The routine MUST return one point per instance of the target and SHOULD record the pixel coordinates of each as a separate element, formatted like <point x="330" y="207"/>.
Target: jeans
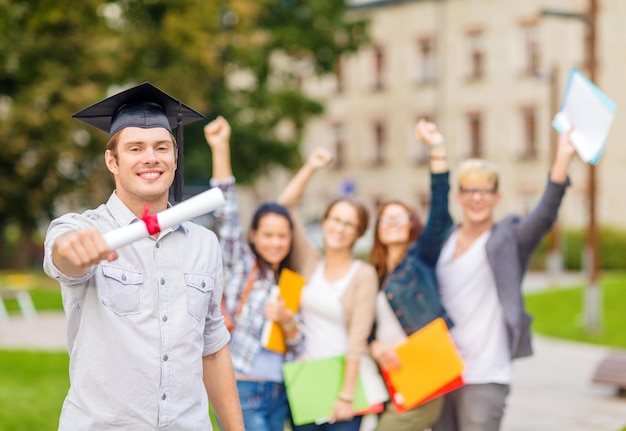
<point x="264" y="405"/>
<point x="473" y="407"/>
<point x="351" y="425"/>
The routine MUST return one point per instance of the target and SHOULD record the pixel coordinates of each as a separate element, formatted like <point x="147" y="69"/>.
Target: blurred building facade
<point x="491" y="74"/>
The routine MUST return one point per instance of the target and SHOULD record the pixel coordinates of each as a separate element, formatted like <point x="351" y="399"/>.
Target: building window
<point x="476" y="42"/>
<point x="427" y="65"/>
<point x="475" y="130"/>
<point x="339" y="146"/>
<point x="530" y="35"/>
<point x="379" y="144"/>
<point x="339" y="78"/>
<point x="529" y="123"/>
<point x="379" y="68"/>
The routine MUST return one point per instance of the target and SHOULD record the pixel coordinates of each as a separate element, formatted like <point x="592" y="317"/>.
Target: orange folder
<point x="430" y="366"/>
<point x="290" y="286"/>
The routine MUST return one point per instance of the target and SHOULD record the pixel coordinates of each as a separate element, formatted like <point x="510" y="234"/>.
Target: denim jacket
<point x="411" y="288"/>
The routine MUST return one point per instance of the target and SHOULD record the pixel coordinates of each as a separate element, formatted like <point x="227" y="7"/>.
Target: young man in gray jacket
<point x="480" y="272"/>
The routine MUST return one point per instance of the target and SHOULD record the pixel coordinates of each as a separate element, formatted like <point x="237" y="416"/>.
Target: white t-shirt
<point x="323" y="320"/>
<point x="388" y="329"/>
<point x="468" y="291"/>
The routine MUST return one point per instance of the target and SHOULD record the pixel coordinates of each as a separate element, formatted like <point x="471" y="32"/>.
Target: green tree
<point x="52" y="55"/>
<point x="193" y="45"/>
<point x="57" y="57"/>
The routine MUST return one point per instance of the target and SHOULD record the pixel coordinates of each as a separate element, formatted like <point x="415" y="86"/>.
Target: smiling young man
<point x="146" y="337"/>
<point x="480" y="272"/>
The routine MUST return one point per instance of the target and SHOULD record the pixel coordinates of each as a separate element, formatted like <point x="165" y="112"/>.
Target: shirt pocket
<point x="199" y="291"/>
<point x="121" y="292"/>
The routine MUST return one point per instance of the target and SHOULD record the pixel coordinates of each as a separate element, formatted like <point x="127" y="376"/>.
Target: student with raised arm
<point x="252" y="268"/>
<point x="480" y="272"/>
<point x="337" y="303"/>
<point x="405" y="255"/>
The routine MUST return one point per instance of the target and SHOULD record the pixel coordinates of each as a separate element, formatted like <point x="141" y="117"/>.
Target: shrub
<point x="612" y="249"/>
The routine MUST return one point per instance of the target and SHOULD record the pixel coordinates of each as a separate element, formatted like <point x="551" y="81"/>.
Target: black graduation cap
<point x="143" y="106"/>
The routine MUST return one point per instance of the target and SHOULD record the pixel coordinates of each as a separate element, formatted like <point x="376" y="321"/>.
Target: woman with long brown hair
<point x="252" y="268"/>
<point x="405" y="254"/>
<point x="337" y="303"/>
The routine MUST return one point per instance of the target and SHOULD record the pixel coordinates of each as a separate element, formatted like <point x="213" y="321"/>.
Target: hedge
<point x="612" y="249"/>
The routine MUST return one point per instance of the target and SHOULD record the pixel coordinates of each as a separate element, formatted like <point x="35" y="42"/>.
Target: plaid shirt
<point x="238" y="263"/>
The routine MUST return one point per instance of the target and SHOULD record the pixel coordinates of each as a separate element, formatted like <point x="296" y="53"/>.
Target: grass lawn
<point x="45" y="292"/>
<point x="34" y="384"/>
<point x="33" y="387"/>
<point x="560" y="312"/>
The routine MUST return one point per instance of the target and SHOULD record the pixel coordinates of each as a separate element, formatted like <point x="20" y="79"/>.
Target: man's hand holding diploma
<point x="76" y="251"/>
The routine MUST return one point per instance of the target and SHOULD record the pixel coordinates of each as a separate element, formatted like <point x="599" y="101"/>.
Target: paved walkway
<point x="552" y="390"/>
<point x="44" y="332"/>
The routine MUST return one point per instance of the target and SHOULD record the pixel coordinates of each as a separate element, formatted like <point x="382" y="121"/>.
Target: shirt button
<point x="203" y="283"/>
<point x="165" y="358"/>
<point x="162" y="281"/>
<point x="164" y="318"/>
<point x="163" y="396"/>
<point x="157" y="245"/>
<point x="124" y="277"/>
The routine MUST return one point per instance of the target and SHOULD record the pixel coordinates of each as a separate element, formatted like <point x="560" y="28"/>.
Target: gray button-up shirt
<point x="138" y="327"/>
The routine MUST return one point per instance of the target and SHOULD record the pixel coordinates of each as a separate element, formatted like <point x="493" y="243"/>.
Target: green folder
<point x="314" y="386"/>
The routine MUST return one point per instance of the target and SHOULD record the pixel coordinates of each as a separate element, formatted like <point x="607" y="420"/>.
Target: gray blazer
<point x="509" y="247"/>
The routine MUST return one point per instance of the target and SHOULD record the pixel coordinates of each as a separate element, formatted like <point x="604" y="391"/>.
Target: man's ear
<point x="111" y="163"/>
<point x="457" y="197"/>
<point x="498" y="198"/>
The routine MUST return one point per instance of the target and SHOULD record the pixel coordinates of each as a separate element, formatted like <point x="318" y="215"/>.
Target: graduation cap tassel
<point x="180" y="172"/>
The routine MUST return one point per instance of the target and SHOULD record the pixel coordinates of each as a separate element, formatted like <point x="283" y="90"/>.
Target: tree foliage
<point x="57" y="57"/>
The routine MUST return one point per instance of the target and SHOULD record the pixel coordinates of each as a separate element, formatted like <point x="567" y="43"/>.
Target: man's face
<point x="478" y="200"/>
<point x="145" y="164"/>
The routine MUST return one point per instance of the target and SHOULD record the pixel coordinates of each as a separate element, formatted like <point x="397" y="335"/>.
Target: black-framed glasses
<point x="481" y="192"/>
<point x="343" y="223"/>
<point x="397" y="219"/>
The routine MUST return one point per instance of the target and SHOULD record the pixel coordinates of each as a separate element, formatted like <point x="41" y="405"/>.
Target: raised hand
<point x="428" y="133"/>
<point x="564" y="146"/>
<point x="217" y="133"/>
<point x="294" y="189"/>
<point x="564" y="154"/>
<point x="320" y="158"/>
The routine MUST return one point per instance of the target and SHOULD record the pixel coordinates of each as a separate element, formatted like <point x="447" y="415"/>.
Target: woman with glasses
<point x="405" y="254"/>
<point x="479" y="274"/>
<point x="337" y="303"/>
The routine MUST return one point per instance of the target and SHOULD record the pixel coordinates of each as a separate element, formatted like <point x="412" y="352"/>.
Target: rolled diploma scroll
<point x="195" y="206"/>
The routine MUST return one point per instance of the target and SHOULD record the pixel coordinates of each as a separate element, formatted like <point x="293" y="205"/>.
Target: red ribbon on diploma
<point x="152" y="224"/>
